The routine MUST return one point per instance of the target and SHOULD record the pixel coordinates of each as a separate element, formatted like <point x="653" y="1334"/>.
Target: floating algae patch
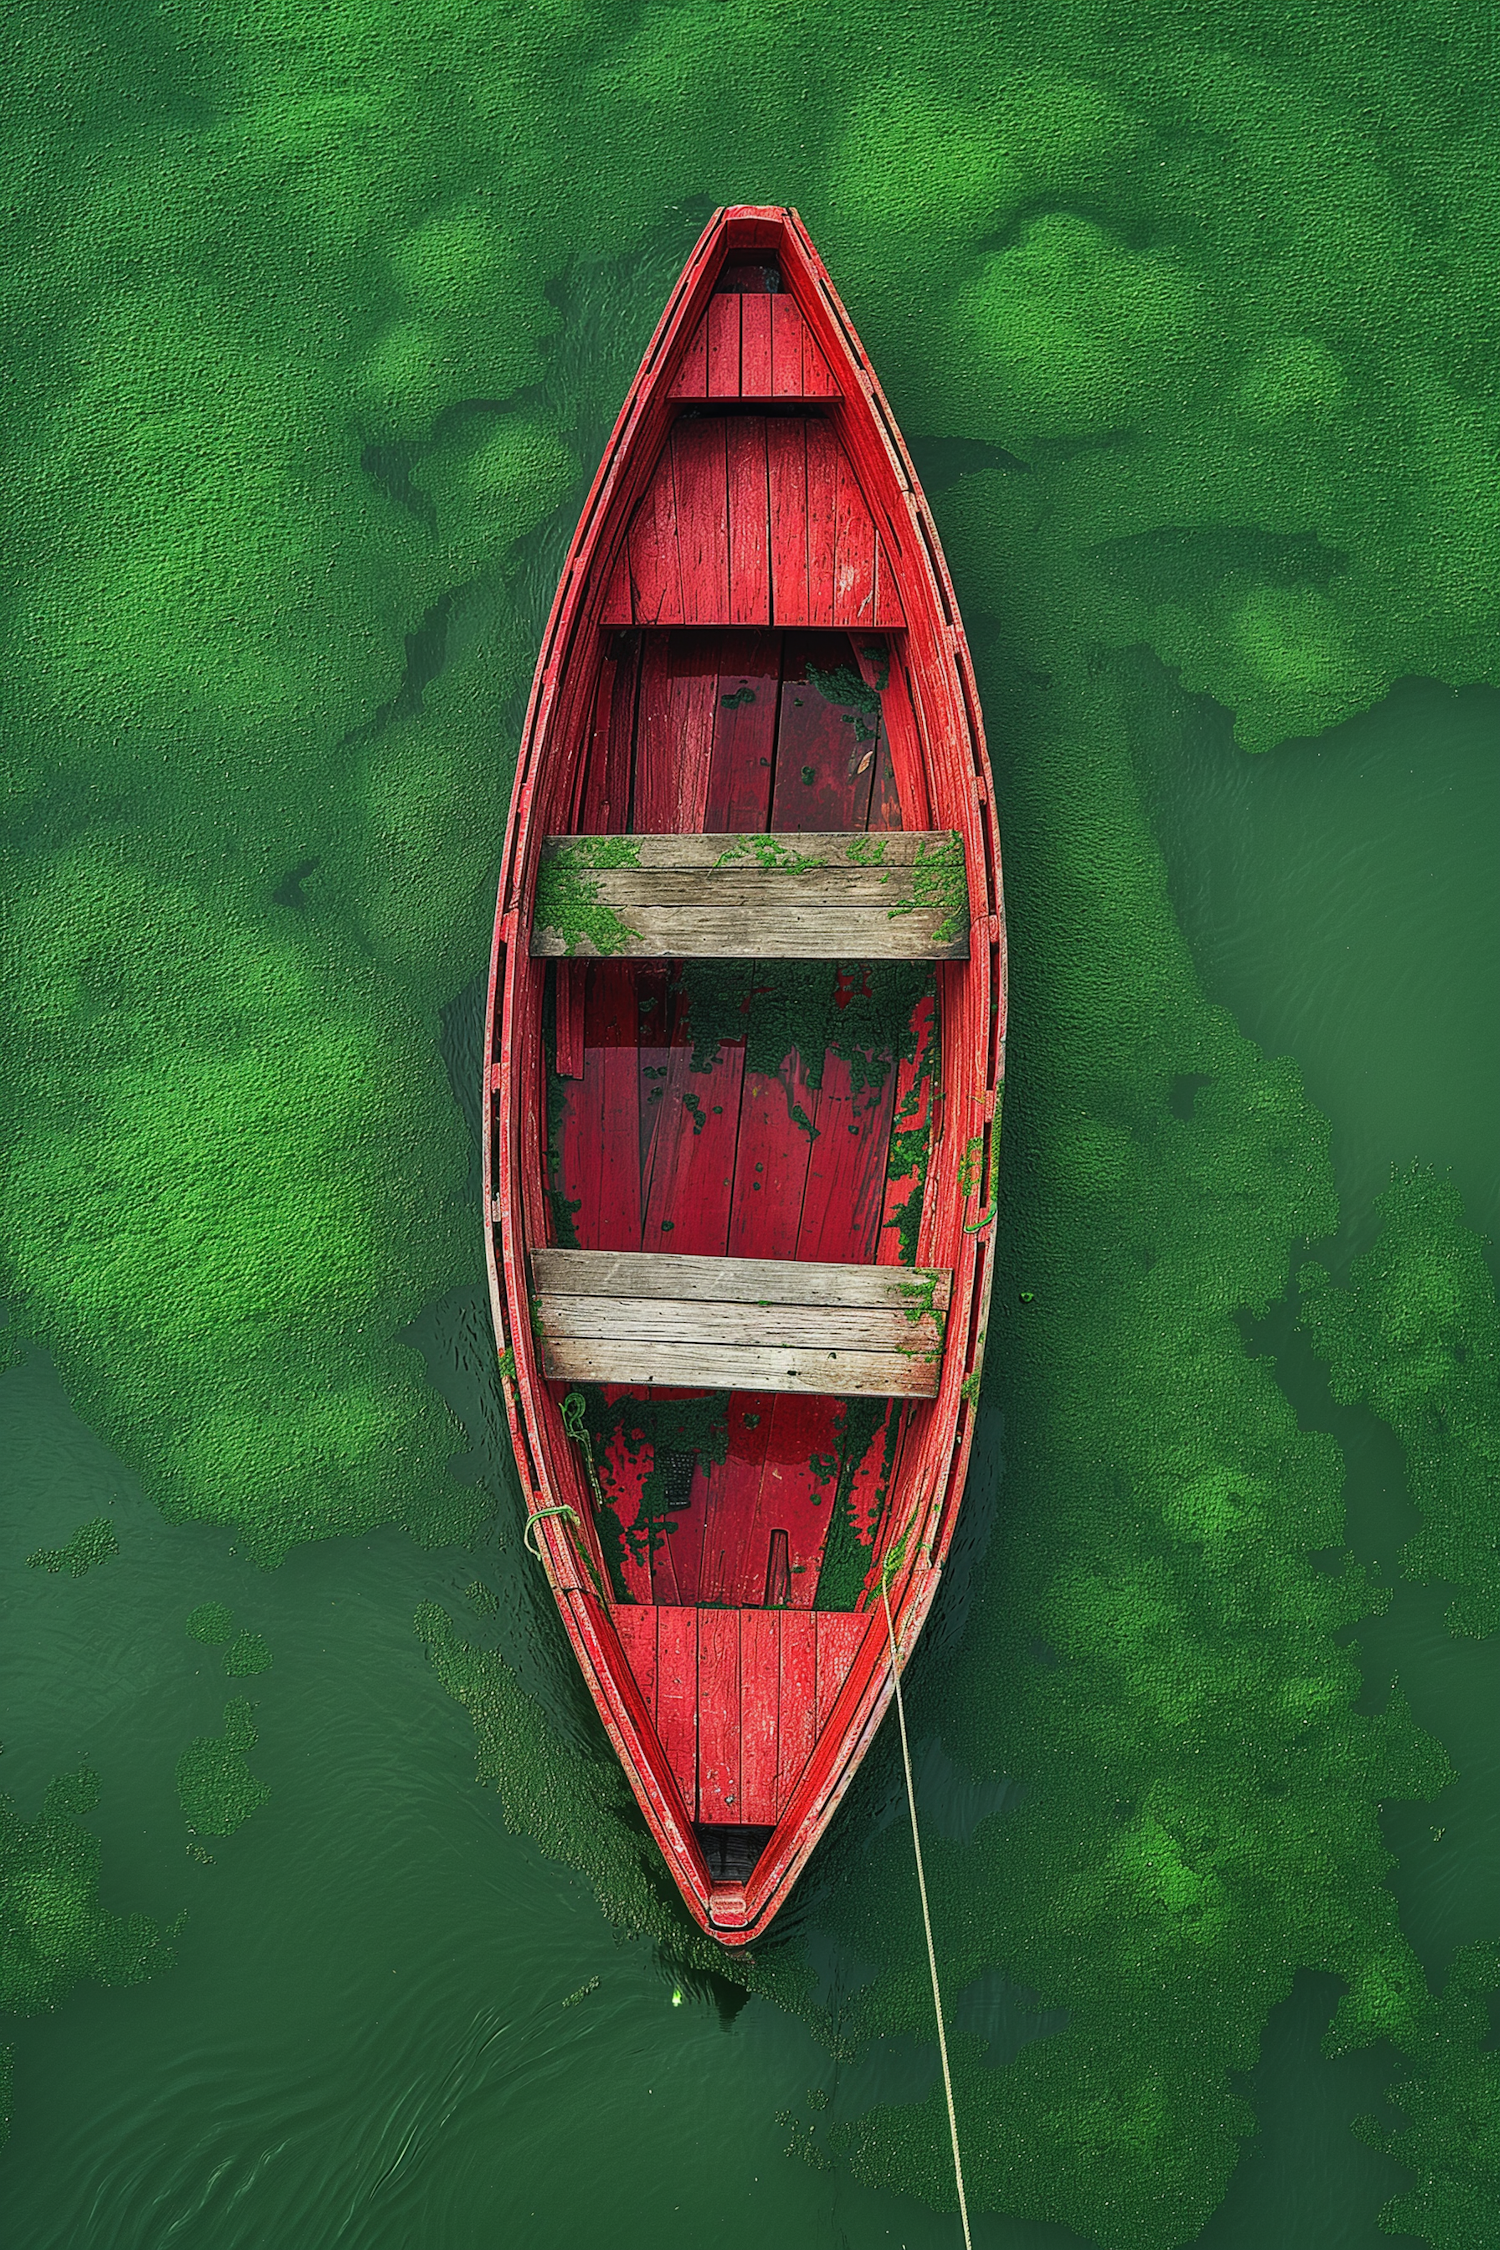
<point x="1415" y="1334"/>
<point x="579" y="1810"/>
<point x="211" y="1622"/>
<point x="53" y="1930"/>
<point x="219" y="1228"/>
<point x="1450" y="2099"/>
<point x="215" y="1787"/>
<point x="247" y="1654"/>
<point x="92" y="1543"/>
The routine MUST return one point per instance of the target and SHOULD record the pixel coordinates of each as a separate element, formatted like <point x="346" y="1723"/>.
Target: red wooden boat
<point x="743" y="1069"/>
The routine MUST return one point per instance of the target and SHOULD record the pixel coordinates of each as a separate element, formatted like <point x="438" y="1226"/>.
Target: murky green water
<point x="1191" y="322"/>
<point x="370" y="2035"/>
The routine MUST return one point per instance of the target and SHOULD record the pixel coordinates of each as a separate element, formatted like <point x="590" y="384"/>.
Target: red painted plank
<point x="817" y="376"/>
<point x="797" y="1486"/>
<point x="686" y="1199"/>
<point x="798" y="1633"/>
<point x="739" y="781"/>
<point x="823" y="768"/>
<point x="844" y="1200"/>
<point x="622" y="1469"/>
<point x="839" y="1635"/>
<point x="617" y="609"/>
<point x="691" y="380"/>
<point x="637" y="1631"/>
<point x="888" y="610"/>
<point x="675" y="731"/>
<point x="749" y="517"/>
<point x="719" y="1717"/>
<point x="568" y="1017"/>
<point x="911" y="1117"/>
<point x="874" y="659"/>
<point x="854" y="556"/>
<point x="822" y="508"/>
<point x="700" y="469"/>
<point x="786" y="347"/>
<point x="760" y="1703"/>
<point x="655" y="1014"/>
<point x="870" y="1480"/>
<point x="655" y="572"/>
<point x="771" y="1161"/>
<point x="786" y="458"/>
<point x="597" y="1131"/>
<point x="724" y="346"/>
<point x="728" y="1500"/>
<point x="677" y="1697"/>
<point x="755" y="346"/>
<point x="908" y="756"/>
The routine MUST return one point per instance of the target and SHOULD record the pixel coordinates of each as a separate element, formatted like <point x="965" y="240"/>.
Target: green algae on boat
<point x="567" y="898"/>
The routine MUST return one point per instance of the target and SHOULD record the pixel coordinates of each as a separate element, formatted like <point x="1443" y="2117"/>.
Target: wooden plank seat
<point x="900" y="895"/>
<point x="739" y="1324"/>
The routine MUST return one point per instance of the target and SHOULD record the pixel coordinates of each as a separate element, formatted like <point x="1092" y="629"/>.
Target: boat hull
<point x="756" y="520"/>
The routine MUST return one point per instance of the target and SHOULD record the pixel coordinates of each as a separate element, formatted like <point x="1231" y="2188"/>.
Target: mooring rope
<point x="537" y="1515"/>
<point x="916" y="1845"/>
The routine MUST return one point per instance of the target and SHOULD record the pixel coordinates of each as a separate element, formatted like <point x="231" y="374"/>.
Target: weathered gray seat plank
<point x="746" y="1324"/>
<point x="896" y="895"/>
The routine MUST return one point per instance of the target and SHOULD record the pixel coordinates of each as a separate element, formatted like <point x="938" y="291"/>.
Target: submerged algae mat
<point x="1191" y="317"/>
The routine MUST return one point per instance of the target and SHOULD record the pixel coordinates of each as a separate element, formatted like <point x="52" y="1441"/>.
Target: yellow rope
<point x="916" y="1845"/>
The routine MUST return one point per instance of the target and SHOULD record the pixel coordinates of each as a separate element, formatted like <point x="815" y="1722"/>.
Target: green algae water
<point x="325" y="1913"/>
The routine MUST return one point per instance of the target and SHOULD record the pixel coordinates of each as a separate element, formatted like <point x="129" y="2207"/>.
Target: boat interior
<point x="732" y="1104"/>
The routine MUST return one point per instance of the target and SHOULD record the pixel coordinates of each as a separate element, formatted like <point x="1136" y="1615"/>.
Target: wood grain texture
<point x="798" y="1701"/>
<point x="677" y="1697"/>
<point x="765" y="933"/>
<point x="755" y="346"/>
<point x="724" y="347"/>
<point x="827" y="847"/>
<point x="745" y="1281"/>
<point x="695" y="1320"/>
<point x="786" y="467"/>
<point x="739" y="1367"/>
<point x="719" y="1717"/>
<point x="787" y="331"/>
<point x="691" y="379"/>
<point x="760" y="1704"/>
<point x="701" y="487"/>
<point x="749" y="517"/>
